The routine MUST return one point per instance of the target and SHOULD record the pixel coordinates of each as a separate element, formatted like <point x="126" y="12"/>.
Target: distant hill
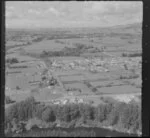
<point x="135" y="28"/>
<point x="129" y="28"/>
<point x="133" y="25"/>
<point x="116" y="26"/>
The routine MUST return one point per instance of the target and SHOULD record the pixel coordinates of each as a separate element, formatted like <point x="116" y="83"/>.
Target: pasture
<point x="47" y="94"/>
<point x="79" y="86"/>
<point x="47" y="45"/>
<point x="24" y="77"/>
<point x="101" y="68"/>
<point x="124" y="89"/>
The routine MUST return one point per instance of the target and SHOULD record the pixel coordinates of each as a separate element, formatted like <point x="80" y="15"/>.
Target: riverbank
<point x="91" y="131"/>
<point x="69" y="128"/>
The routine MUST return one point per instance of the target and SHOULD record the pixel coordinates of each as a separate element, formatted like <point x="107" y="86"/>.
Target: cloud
<point x="34" y="11"/>
<point x="115" y="7"/>
<point x="53" y="10"/>
<point x="10" y="7"/>
<point x="73" y="13"/>
<point x="30" y="2"/>
<point x="12" y="15"/>
<point x="113" y="12"/>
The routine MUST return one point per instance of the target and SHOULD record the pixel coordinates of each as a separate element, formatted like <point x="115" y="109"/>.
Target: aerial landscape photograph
<point x="73" y="68"/>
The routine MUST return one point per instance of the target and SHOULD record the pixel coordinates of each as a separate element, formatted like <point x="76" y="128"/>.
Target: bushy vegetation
<point x="38" y="39"/>
<point x="87" y="83"/>
<point x="74" y="89"/>
<point x="121" y="115"/>
<point x="64" y="52"/>
<point x="134" y="76"/>
<point x="8" y="100"/>
<point x="12" y="60"/>
<point x="131" y="54"/>
<point x="53" y="81"/>
<point x="15" y="67"/>
<point x="69" y="51"/>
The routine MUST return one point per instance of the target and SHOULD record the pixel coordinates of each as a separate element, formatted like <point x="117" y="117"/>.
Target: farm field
<point x="99" y="68"/>
<point x="119" y="89"/>
<point x="46" y="94"/>
<point x="47" y="45"/>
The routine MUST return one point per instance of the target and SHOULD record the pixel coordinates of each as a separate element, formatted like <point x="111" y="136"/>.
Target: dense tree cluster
<point x="64" y="52"/>
<point x="53" y="81"/>
<point x="78" y="50"/>
<point x="132" y="55"/>
<point x="70" y="51"/>
<point x="133" y="76"/>
<point x="15" y="67"/>
<point x="74" y="89"/>
<point x="119" y="114"/>
<point x="87" y="83"/>
<point x="8" y="100"/>
<point x="12" y="60"/>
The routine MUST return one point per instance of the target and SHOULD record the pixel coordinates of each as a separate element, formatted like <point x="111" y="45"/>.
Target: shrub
<point x="22" y="110"/>
<point x="12" y="60"/>
<point x="8" y="100"/>
<point x="48" y="115"/>
<point x="131" y="54"/>
<point x="17" y="88"/>
<point x="115" y="113"/>
<point x="130" y="116"/>
<point x="103" y="111"/>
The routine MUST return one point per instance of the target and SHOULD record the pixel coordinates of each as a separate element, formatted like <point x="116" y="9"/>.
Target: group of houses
<point x="74" y="100"/>
<point x="95" y="64"/>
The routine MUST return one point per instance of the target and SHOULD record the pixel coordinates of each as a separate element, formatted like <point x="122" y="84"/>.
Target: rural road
<point x="50" y="73"/>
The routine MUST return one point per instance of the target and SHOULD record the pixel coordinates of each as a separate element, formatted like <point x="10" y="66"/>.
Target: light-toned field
<point x="26" y="75"/>
<point x="13" y="43"/>
<point x="72" y="78"/>
<point x="47" y="94"/>
<point x="81" y="86"/>
<point x="105" y="83"/>
<point x="125" y="89"/>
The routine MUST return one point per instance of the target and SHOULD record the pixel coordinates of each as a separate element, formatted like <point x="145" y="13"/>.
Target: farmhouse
<point x="65" y="101"/>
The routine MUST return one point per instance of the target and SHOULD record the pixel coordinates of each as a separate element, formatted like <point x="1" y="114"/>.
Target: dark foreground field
<point x="71" y="132"/>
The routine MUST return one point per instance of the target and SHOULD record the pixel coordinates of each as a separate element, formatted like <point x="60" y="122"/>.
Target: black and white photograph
<point x="73" y="69"/>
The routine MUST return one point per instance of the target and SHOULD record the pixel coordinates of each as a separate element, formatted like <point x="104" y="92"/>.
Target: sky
<point x="51" y="14"/>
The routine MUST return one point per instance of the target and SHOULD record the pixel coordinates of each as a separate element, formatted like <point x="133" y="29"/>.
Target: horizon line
<point x="73" y="27"/>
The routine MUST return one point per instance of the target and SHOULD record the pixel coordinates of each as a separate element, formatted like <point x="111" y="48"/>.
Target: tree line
<point x="138" y="54"/>
<point x="12" y="60"/>
<point x="120" y="115"/>
<point x="70" y="51"/>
